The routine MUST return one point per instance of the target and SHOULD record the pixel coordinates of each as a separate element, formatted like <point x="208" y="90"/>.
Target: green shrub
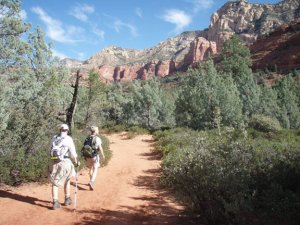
<point x="233" y="180"/>
<point x="115" y="129"/>
<point x="265" y="123"/>
<point x="18" y="166"/>
<point x="136" y="130"/>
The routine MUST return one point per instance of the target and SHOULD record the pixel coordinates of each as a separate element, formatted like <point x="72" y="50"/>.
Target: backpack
<point x="88" y="150"/>
<point x="57" y="147"/>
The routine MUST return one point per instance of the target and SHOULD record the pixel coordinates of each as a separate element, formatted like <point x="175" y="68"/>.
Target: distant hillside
<point x="249" y="21"/>
<point x="280" y="50"/>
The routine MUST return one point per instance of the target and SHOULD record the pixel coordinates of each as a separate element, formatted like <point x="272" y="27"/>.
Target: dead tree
<point x="71" y="109"/>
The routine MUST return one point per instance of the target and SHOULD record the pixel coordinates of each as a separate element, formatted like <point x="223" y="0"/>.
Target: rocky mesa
<point x="249" y="21"/>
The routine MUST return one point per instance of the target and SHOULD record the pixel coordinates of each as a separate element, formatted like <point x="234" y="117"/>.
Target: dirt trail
<point x="126" y="193"/>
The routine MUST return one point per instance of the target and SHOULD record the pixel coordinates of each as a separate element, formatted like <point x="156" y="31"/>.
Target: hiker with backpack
<point x="62" y="154"/>
<point x="90" y="151"/>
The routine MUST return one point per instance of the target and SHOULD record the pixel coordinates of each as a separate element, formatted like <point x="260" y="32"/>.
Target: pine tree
<point x="12" y="48"/>
<point x="95" y="94"/>
<point x="147" y="100"/>
<point x="268" y="102"/>
<point x="236" y="60"/>
<point x="13" y="53"/>
<point x="204" y="93"/>
<point x="31" y="97"/>
<point x="288" y="102"/>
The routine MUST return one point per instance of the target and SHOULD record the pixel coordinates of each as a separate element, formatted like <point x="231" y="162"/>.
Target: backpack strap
<point x="94" y="142"/>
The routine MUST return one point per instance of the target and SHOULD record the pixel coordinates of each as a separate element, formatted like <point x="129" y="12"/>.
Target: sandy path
<point x="126" y="193"/>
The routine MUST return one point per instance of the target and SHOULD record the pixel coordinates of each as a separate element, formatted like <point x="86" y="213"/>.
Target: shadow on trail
<point x="152" y="155"/>
<point x="26" y="199"/>
<point x="155" y="209"/>
<point x="132" y="216"/>
<point x="80" y="186"/>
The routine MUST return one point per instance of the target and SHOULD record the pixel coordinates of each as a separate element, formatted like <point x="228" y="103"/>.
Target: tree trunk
<point x="71" y="109"/>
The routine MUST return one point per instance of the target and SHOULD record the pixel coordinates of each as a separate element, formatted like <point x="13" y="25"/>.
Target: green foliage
<point x="203" y="94"/>
<point x="121" y="105"/>
<point x="232" y="180"/>
<point x="287" y="92"/>
<point x="19" y="165"/>
<point x="31" y="97"/>
<point x="147" y="103"/>
<point x="268" y="102"/>
<point x="91" y="100"/>
<point x="265" y="123"/>
<point x="135" y="131"/>
<point x="141" y="103"/>
<point x="235" y="57"/>
<point x="13" y="49"/>
<point x="236" y="60"/>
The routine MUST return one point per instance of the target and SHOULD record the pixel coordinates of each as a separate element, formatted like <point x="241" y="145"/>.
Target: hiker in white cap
<point x="91" y="148"/>
<point x="62" y="154"/>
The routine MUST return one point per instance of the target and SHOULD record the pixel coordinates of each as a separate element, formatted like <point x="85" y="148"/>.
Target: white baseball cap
<point x="64" y="127"/>
<point x="95" y="129"/>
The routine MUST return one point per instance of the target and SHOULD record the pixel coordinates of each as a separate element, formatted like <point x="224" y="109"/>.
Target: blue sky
<point x="79" y="29"/>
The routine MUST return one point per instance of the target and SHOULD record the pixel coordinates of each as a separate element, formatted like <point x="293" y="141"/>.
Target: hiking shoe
<point x="91" y="184"/>
<point x="68" y="201"/>
<point x="56" y="205"/>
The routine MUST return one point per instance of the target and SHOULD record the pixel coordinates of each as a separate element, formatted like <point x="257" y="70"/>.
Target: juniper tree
<point x="30" y="78"/>
<point x="12" y="48"/>
<point x="119" y="107"/>
<point x="288" y="102"/>
<point x="236" y="60"/>
<point x="12" y="53"/>
<point x="268" y="102"/>
<point x="204" y="92"/>
<point x="148" y="103"/>
<point x="95" y="92"/>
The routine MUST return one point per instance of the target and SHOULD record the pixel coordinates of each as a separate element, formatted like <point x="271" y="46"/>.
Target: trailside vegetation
<point x="230" y="147"/>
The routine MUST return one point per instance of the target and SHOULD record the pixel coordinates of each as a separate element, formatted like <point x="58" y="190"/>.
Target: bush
<point x="20" y="166"/>
<point x="265" y="123"/>
<point x="229" y="180"/>
<point x="136" y="130"/>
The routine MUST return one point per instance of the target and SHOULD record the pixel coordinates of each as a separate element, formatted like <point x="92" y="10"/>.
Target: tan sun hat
<point x="95" y="129"/>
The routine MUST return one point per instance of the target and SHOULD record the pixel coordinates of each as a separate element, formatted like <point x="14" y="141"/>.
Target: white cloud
<point x="202" y="4"/>
<point x="177" y="17"/>
<point x="98" y="32"/>
<point x="23" y="15"/>
<point x="138" y="11"/>
<point x="81" y="11"/>
<point x="118" y="24"/>
<point x="56" y="30"/>
<point x="59" y="54"/>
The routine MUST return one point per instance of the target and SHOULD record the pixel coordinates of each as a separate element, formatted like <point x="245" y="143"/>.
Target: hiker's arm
<point x="76" y="162"/>
<point x="74" y="153"/>
<point x="102" y="152"/>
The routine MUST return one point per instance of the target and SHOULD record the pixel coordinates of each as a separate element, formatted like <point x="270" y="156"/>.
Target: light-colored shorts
<point x="61" y="172"/>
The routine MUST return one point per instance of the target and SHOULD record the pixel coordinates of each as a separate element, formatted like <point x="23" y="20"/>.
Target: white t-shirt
<point x="98" y="142"/>
<point x="67" y="146"/>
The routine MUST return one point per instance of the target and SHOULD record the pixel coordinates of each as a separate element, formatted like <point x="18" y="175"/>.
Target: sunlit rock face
<point x="249" y="21"/>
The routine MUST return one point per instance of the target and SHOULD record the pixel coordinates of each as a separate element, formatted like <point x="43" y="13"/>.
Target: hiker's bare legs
<point x="67" y="188"/>
<point x="91" y="172"/>
<point x="54" y="192"/>
<point x="94" y="174"/>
